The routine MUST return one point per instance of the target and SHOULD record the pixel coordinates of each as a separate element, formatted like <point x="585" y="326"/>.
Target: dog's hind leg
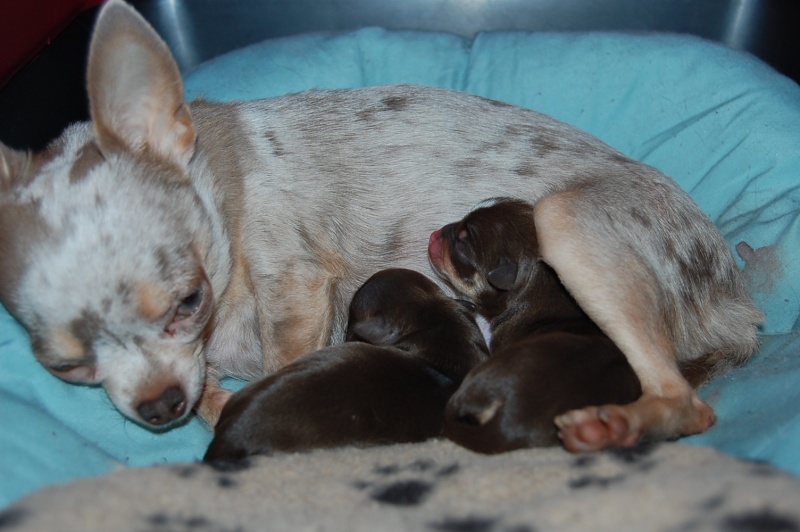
<point x="597" y="262"/>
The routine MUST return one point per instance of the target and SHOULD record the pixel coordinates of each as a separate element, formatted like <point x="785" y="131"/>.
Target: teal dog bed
<point x="722" y="123"/>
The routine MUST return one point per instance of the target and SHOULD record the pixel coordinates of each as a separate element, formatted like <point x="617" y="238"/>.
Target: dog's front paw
<point x="595" y="428"/>
<point x="212" y="402"/>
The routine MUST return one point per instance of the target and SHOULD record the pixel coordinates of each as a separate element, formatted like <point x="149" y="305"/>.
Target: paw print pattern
<point x="406" y="485"/>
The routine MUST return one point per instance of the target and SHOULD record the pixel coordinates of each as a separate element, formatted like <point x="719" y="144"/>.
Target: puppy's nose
<point x="168" y="407"/>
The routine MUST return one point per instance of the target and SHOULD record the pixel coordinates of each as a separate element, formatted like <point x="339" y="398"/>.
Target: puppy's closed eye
<point x="504" y="275"/>
<point x="469" y="305"/>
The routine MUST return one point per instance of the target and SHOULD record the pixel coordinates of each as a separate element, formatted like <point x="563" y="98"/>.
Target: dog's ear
<point x="135" y="88"/>
<point x="12" y="167"/>
<point x="376" y="331"/>
<point x="504" y="275"/>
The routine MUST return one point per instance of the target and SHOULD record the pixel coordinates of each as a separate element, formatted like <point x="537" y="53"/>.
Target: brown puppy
<point x="548" y="357"/>
<point x="410" y="347"/>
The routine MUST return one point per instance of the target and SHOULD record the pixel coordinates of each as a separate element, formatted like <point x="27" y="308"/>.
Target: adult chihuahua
<point x="548" y="357"/>
<point x="164" y="244"/>
<point x="409" y="347"/>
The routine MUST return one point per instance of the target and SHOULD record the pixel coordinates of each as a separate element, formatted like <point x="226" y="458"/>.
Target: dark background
<point x="47" y="93"/>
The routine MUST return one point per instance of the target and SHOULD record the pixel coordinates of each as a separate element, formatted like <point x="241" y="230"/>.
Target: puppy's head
<point x="404" y="309"/>
<point x="103" y="239"/>
<point x="488" y="254"/>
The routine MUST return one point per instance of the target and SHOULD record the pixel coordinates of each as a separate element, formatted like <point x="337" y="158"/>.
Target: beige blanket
<point x="433" y="486"/>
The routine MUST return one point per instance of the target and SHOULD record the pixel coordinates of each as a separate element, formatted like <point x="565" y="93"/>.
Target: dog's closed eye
<point x="191" y="310"/>
<point x="189" y="305"/>
<point x="74" y="372"/>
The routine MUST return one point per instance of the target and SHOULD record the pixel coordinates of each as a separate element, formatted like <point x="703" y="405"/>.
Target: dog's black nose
<point x="168" y="407"/>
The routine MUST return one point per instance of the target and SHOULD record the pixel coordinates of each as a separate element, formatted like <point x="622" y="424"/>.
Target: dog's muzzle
<point x="166" y="408"/>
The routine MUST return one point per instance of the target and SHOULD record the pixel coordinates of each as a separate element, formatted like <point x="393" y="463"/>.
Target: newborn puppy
<point x="409" y="347"/>
<point x="547" y="357"/>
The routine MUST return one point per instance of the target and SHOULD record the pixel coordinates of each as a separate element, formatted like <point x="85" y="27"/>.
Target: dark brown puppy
<point x="547" y="358"/>
<point x="409" y="349"/>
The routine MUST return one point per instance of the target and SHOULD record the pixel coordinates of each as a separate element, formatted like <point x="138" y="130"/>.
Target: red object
<point x="27" y="26"/>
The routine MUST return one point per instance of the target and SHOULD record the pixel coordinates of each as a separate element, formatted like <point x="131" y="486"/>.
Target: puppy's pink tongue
<point x="435" y="247"/>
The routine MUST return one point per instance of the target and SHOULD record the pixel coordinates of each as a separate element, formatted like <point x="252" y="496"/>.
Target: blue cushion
<point x="757" y="406"/>
<point x="719" y="121"/>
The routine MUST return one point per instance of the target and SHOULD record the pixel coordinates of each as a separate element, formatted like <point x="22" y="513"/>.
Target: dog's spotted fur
<point x="258" y="196"/>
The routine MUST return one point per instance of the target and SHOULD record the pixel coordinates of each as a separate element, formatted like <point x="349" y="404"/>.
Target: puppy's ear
<point x="135" y="88"/>
<point x="479" y="414"/>
<point x="12" y="167"/>
<point x="504" y="275"/>
<point x="376" y="331"/>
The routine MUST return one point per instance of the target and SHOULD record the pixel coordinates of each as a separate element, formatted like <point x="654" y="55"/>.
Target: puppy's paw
<point x="595" y="428"/>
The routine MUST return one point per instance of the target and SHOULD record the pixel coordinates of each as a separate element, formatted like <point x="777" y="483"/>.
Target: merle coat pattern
<point x="166" y="243"/>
